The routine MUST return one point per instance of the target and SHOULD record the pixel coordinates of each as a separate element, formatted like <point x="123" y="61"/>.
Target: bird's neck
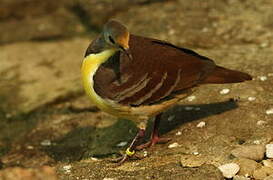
<point x="89" y="67"/>
<point x="99" y="58"/>
<point x="92" y="62"/>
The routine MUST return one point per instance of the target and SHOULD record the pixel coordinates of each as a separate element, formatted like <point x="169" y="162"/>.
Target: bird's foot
<point x="120" y="160"/>
<point x="126" y="156"/>
<point x="152" y="142"/>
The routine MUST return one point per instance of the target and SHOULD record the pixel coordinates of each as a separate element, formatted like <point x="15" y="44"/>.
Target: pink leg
<point x="155" y="139"/>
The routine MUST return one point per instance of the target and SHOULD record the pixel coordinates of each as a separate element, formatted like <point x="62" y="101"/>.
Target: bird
<point x="138" y="78"/>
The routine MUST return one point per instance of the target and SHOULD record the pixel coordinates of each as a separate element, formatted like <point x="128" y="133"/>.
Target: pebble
<point x="197" y="109"/>
<point x="8" y="115"/>
<point x="240" y="178"/>
<point x="173" y="145"/>
<point x="171" y="32"/>
<point x="257" y="142"/>
<point x="247" y="166"/>
<point x="178" y="133"/>
<point x="262" y="173"/>
<point x="30" y="147"/>
<point x="195" y="153"/>
<point x="251" y="98"/>
<point x="264" y="45"/>
<point x="270" y="74"/>
<point x="145" y="153"/>
<point x="191" y="98"/>
<point x="263" y="78"/>
<point x="269" y="150"/>
<point x="268" y="163"/>
<point x="188" y="108"/>
<point x="46" y="142"/>
<point x="170" y="118"/>
<point x="269" y="111"/>
<point x="94" y="159"/>
<point x="109" y="179"/>
<point x="261" y="123"/>
<point x="225" y="91"/>
<point x="201" y="124"/>
<point x="205" y="29"/>
<point x="229" y="170"/>
<point x="122" y="144"/>
<point x="254" y="152"/>
<point x="67" y="168"/>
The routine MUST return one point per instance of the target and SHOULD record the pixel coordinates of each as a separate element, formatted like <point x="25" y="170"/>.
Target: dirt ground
<point x="50" y="130"/>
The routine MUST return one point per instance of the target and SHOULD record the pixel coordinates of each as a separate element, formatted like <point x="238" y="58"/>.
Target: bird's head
<point x="117" y="36"/>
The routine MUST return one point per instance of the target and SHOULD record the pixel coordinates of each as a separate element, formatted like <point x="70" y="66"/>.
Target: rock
<point x="102" y="9"/>
<point x="46" y="142"/>
<point x="262" y="173"/>
<point x="43" y="24"/>
<point x="170" y="118"/>
<point x="251" y="98"/>
<point x="191" y="98"/>
<point x="269" y="150"/>
<point x="109" y="178"/>
<point x="17" y="173"/>
<point x="67" y="168"/>
<point x="247" y="166"/>
<point x="229" y="170"/>
<point x="269" y="111"/>
<point x="224" y="91"/>
<point x="122" y="144"/>
<point x="261" y="123"/>
<point x="254" y="152"/>
<point x="20" y="9"/>
<point x="173" y="145"/>
<point x="212" y="25"/>
<point x="228" y="123"/>
<point x="201" y="124"/>
<point x="240" y="178"/>
<point x="257" y="142"/>
<point x="39" y="73"/>
<point x="188" y="108"/>
<point x="268" y="163"/>
<point x="263" y="78"/>
<point x="178" y="133"/>
<point x="192" y="160"/>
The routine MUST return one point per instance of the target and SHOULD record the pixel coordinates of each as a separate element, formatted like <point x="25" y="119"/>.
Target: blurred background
<point x="42" y="44"/>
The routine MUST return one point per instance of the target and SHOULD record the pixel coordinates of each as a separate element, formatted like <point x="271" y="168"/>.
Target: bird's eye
<point x="111" y="40"/>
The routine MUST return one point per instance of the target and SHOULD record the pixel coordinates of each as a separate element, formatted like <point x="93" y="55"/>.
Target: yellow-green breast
<point x="89" y="67"/>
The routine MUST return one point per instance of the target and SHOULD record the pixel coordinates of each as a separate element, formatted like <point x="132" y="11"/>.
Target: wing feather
<point x="157" y="70"/>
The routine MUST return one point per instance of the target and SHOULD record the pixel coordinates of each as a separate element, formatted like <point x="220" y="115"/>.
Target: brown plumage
<point x="158" y="70"/>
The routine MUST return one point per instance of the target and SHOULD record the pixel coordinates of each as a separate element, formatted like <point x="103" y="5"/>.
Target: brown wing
<point x="157" y="70"/>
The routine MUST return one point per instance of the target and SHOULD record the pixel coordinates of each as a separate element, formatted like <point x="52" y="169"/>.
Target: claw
<point x="120" y="160"/>
<point x="130" y="151"/>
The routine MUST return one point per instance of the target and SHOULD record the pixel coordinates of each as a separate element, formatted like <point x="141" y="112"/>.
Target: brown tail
<point x="222" y="75"/>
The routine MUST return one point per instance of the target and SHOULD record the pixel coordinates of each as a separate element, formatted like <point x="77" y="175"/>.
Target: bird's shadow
<point x="90" y="141"/>
<point x="187" y="113"/>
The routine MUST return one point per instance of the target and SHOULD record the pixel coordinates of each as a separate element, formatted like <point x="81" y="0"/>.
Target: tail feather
<point x="222" y="75"/>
